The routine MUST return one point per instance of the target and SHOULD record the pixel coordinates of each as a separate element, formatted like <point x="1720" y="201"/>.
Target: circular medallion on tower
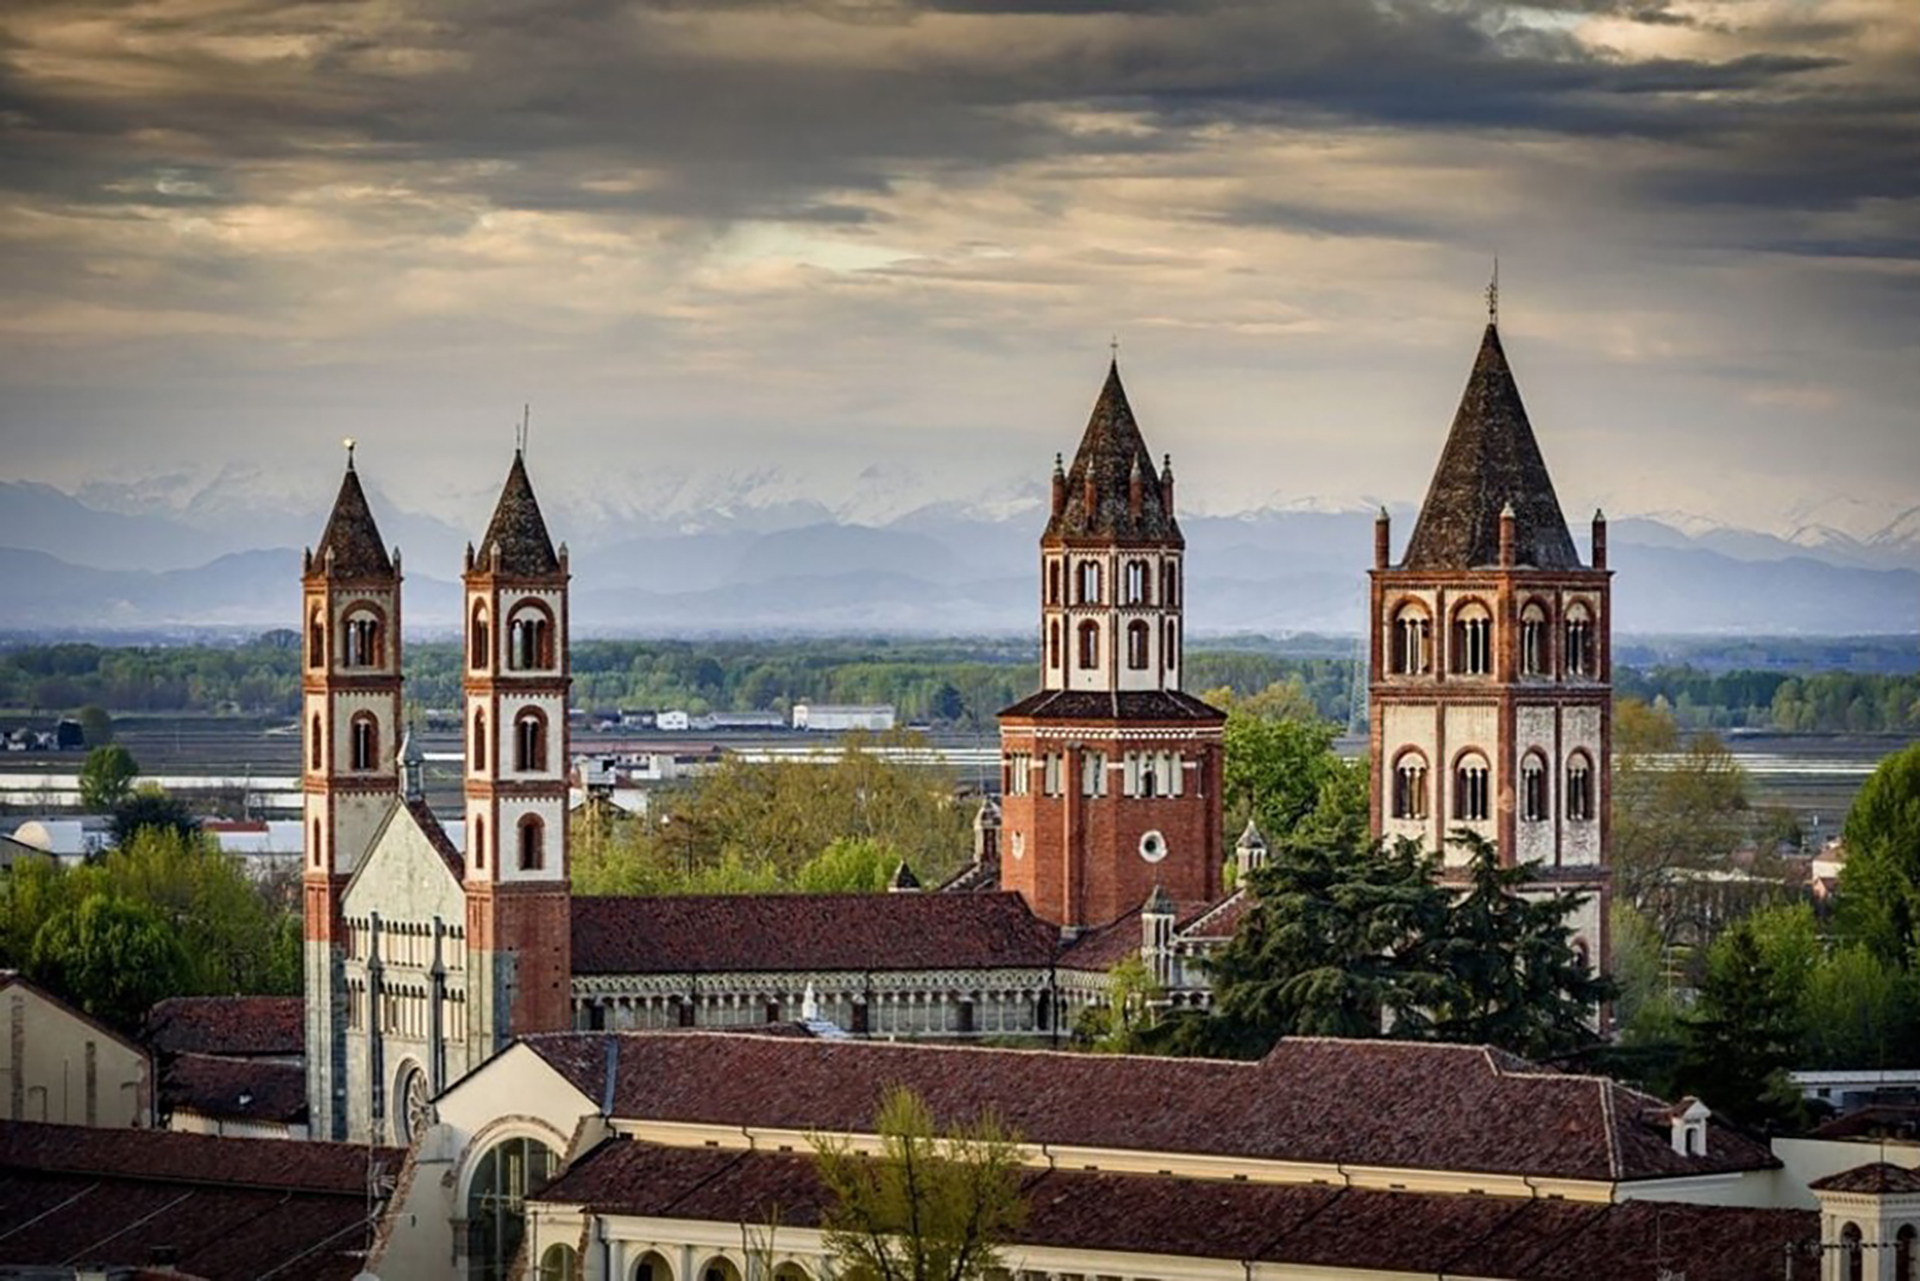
<point x="1017" y="844"/>
<point x="1153" y="847"/>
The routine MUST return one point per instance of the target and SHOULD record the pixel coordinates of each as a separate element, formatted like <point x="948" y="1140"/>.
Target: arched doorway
<point x="497" y="1204"/>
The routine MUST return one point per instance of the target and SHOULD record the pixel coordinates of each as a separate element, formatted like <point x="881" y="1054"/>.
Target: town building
<point x="1490" y="665"/>
<point x="840" y="718"/>
<point x="230" y="1065"/>
<point x="62" y="1066"/>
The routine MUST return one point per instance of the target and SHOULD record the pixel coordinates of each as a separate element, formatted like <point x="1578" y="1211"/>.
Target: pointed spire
<point x="1491" y="460"/>
<point x="516" y="542"/>
<point x="1159" y="903"/>
<point x="1100" y="483"/>
<point x="413" y="764"/>
<point x="903" y="880"/>
<point x="351" y="546"/>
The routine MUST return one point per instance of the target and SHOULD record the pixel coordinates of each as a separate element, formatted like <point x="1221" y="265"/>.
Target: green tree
<point x="111" y="957"/>
<point x="1512" y="976"/>
<point x="107" y="777"/>
<point x="933" y="1206"/>
<point x="150" y="807"/>
<point x="1674" y="807"/>
<point x="1857" y="1013"/>
<point x="851" y="863"/>
<point x="96" y="723"/>
<point x="1738" y="1040"/>
<point x="1880" y="882"/>
<point x="1131" y="1011"/>
<point x="1279" y="766"/>
<point x="1335" y="943"/>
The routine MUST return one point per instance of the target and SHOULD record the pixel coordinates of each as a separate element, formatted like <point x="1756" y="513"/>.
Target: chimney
<point x="1133" y="490"/>
<point x="1382" y="538"/>
<point x="1599" y="556"/>
<point x="1166" y="483"/>
<point x="1507" y="536"/>
<point x="1059" y="486"/>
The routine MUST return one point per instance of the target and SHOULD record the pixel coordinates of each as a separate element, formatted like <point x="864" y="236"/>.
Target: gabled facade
<point x="350" y="722"/>
<point x="1490" y="665"/>
<point x="1111" y="773"/>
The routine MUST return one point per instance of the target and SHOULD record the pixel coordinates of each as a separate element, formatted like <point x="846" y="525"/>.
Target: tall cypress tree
<point x="1737" y="1041"/>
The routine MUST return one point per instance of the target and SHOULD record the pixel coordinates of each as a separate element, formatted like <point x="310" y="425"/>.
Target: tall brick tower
<point x="517" y="680"/>
<point x="1111" y="772"/>
<point x="350" y="720"/>
<point x="1490" y="665"/>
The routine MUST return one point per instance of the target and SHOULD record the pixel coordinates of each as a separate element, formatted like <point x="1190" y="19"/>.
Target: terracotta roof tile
<point x="229" y="1025"/>
<point x="1881" y="1178"/>
<point x="235" y="1089"/>
<point x="674" y="934"/>
<point x="1131" y="705"/>
<point x="1111" y="450"/>
<point x="1490" y="459"/>
<point x="518" y="530"/>
<point x="1310" y="1099"/>
<point x="352" y="536"/>
<point x="1664" y="1238"/>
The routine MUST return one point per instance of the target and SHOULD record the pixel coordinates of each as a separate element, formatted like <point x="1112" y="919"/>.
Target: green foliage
<point x="151" y="808"/>
<point x="96" y="723"/>
<point x="111" y="957"/>
<point x="1857" y="1013"/>
<point x="1673" y="807"/>
<point x="1737" y="1042"/>
<point x="107" y="777"/>
<point x="1125" y="1023"/>
<point x="1852" y="701"/>
<point x="1880" y="883"/>
<point x="230" y="938"/>
<point x="932" y="1206"/>
<point x="787" y="825"/>
<point x="1512" y="976"/>
<point x="1280" y="768"/>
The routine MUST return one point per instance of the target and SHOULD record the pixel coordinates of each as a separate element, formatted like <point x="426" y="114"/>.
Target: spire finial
<point x="1493" y="294"/>
<point x="1113" y="348"/>
<point x="349" y="442"/>
<point x="520" y="431"/>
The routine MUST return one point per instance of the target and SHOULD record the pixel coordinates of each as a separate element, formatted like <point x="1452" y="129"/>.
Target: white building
<point x="839" y="718"/>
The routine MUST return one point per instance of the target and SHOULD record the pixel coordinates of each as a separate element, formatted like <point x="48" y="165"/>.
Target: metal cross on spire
<point x="1113" y="347"/>
<point x="521" y="430"/>
<point x="1493" y="294"/>
<point x="349" y="442"/>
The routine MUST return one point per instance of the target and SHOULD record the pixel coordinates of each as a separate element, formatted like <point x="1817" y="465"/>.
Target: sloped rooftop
<point x="1112" y="452"/>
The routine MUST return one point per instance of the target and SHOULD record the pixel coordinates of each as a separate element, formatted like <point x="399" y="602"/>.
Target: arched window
<point x="1170" y="650"/>
<point x="533" y="839"/>
<point x="1053" y="580"/>
<point x="1410" y="786"/>
<point x="317" y="640"/>
<point x="1470" y="791"/>
<point x="316" y="852"/>
<point x="497" y="1204"/>
<point x="364" y="642"/>
<point x="1533" y="788"/>
<point x="1053" y="644"/>
<point x="1472" y="640"/>
<point x="719" y="1268"/>
<point x="1137" y="645"/>
<point x="1087" y="583"/>
<point x="479" y="741"/>
<point x="479" y="844"/>
<point x="364" y="742"/>
<point x="1579" y="641"/>
<point x="479" y="637"/>
<point x="1579" y="798"/>
<point x="652" y="1267"/>
<point x="530" y="639"/>
<point x="560" y="1262"/>
<point x="1089" y="645"/>
<point x="316" y="744"/>
<point x="790" y="1272"/>
<point x="1139" y="582"/>
<point x="1906" y="1243"/>
<point x="1533" y="640"/>
<point x="530" y="742"/>
<point x="1170" y="583"/>
<point x="1411" y="641"/>
<point x="1853" y="1261"/>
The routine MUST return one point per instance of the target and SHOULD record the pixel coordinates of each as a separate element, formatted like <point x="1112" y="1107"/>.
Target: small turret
<point x="1166" y="483"/>
<point x="412" y="770"/>
<point x="1599" y="557"/>
<point x="1250" y="851"/>
<point x="986" y="833"/>
<point x="903" y="880"/>
<point x="1507" y="530"/>
<point x="1059" y="485"/>
<point x="1382" y="539"/>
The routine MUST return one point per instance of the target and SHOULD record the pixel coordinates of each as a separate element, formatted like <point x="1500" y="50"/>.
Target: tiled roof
<point x="1112" y="452"/>
<point x="1102" y="948"/>
<point x="1300" y="1224"/>
<point x="228" y="1209"/>
<point x="1878" y="1177"/>
<point x="235" y="1089"/>
<point x="674" y="934"/>
<point x="1490" y="459"/>
<point x="518" y="530"/>
<point x="1386" y="1103"/>
<point x="352" y="536"/>
<point x="231" y="1025"/>
<point x="1099" y="705"/>
<point x="437" y="837"/>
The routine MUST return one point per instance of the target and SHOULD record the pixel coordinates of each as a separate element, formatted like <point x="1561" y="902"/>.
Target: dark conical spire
<point x="1111" y="465"/>
<point x="352" y="536"/>
<point x="517" y="530"/>
<point x="1491" y="460"/>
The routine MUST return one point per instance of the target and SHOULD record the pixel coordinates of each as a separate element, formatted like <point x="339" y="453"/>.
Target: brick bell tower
<point x="350" y="720"/>
<point x="1490" y="661"/>
<point x="517" y="680"/>
<point x="1111" y="774"/>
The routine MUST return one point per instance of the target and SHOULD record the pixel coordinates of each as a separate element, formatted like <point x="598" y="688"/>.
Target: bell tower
<point x="1490" y="664"/>
<point x="350" y="722"/>
<point x="517" y="683"/>
<point x="1111" y="773"/>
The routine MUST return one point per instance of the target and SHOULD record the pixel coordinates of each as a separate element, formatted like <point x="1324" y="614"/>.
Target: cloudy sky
<point x="728" y="235"/>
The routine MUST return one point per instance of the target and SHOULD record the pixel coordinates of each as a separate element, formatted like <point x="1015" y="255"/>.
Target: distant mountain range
<point x="758" y="556"/>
